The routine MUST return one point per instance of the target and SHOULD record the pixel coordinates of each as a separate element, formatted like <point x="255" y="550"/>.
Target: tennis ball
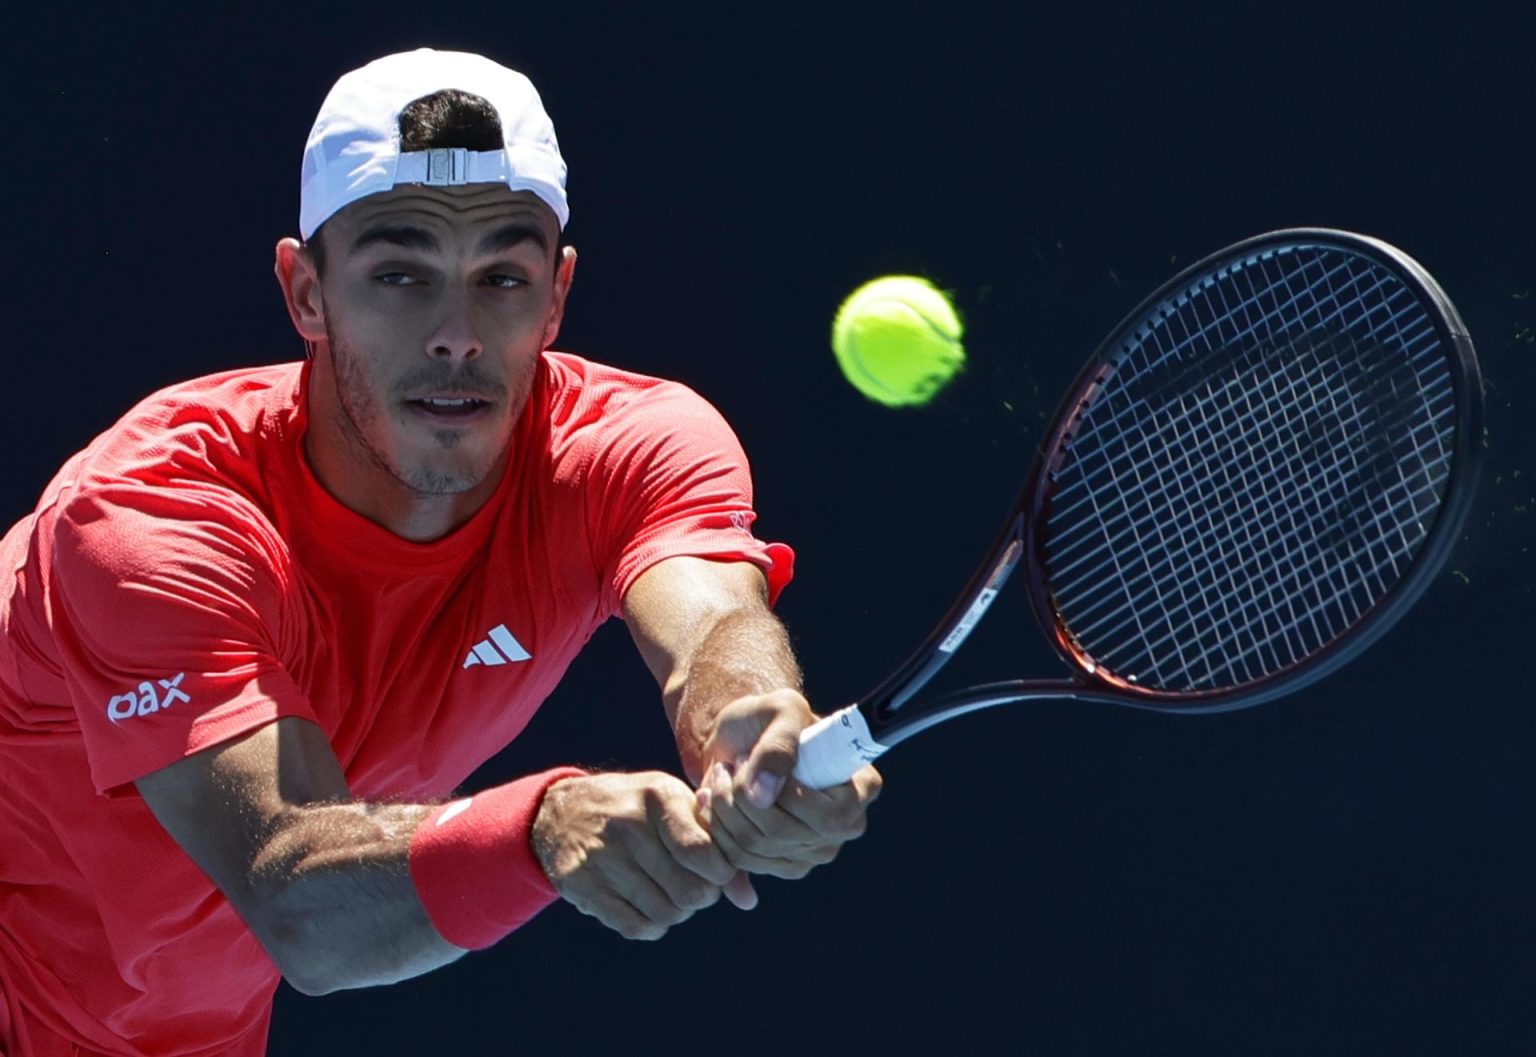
<point x="897" y="340"/>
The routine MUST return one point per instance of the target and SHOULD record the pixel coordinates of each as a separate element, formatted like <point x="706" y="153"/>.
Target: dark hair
<point x="450" y="118"/>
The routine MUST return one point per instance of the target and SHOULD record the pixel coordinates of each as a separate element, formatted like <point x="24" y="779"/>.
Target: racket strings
<point x="1259" y="469"/>
<point x="1198" y="372"/>
<point x="1221" y="521"/>
<point x="1285" y="615"/>
<point x="1282" y="607"/>
<point x="1184" y="472"/>
<point x="1225" y="521"/>
<point x="1295" y="599"/>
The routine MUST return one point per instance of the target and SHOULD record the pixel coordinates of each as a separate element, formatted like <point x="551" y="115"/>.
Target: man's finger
<point x="689" y="842"/>
<point x="619" y="915"/>
<point x="740" y="892"/>
<point x="765" y="769"/>
<point x="725" y="821"/>
<point x="760" y="829"/>
<point x="837" y="814"/>
<point x="786" y="869"/>
<point x="739" y="888"/>
<point x="666" y="898"/>
<point x="736" y="836"/>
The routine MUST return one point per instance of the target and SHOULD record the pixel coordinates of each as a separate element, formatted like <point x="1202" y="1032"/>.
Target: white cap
<point x="354" y="148"/>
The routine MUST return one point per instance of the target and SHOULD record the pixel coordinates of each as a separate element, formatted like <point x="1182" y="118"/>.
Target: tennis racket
<point x="1256" y="475"/>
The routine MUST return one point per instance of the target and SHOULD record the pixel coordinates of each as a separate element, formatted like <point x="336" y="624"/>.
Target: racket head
<point x="1256" y="475"/>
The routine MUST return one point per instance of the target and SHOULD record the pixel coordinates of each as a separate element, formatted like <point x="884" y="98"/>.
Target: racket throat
<point x="882" y="703"/>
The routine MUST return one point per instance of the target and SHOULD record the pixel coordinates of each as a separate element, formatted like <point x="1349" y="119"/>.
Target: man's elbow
<point x="300" y="934"/>
<point x="320" y="951"/>
<point x="321" y="971"/>
<point x="311" y="985"/>
<point x="297" y="951"/>
<point x="333" y="918"/>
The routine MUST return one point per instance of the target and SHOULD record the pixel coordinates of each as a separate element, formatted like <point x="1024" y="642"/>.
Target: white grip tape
<point x="834" y="747"/>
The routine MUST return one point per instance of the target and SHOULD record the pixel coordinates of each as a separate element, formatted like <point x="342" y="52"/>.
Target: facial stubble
<point x="360" y="406"/>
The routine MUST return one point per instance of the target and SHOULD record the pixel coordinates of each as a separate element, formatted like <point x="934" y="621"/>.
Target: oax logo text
<point x="145" y="699"/>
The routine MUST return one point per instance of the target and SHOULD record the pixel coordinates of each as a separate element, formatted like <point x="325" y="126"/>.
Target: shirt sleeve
<point x="669" y="479"/>
<point x="168" y="605"/>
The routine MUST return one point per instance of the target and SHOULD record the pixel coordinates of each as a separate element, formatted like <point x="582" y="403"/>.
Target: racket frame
<point x="886" y="710"/>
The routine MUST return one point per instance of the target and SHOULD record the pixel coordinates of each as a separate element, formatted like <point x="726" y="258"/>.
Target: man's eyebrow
<point x="509" y="235"/>
<point x="403" y="235"/>
<point x="410" y="237"/>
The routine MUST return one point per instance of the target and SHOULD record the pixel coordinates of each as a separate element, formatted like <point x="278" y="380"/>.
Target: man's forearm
<point x="331" y="897"/>
<point x="746" y="652"/>
<point x="342" y="892"/>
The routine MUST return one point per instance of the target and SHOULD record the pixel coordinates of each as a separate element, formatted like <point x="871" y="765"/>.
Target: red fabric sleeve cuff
<point x="473" y="866"/>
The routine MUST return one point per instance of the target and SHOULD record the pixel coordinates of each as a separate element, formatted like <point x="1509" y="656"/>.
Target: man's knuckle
<point x="755" y="843"/>
<point x="741" y="859"/>
<point x="697" y="895"/>
<point x="779" y="749"/>
<point x="670" y="914"/>
<point x="692" y="843"/>
<point x="742" y="707"/>
<point x="824" y="854"/>
<point x="738" y="859"/>
<point x="789" y="700"/>
<point x="642" y="930"/>
<point x="710" y="865"/>
<point x="630" y="835"/>
<point x="725" y="842"/>
<point x="851" y="821"/>
<point x="653" y="795"/>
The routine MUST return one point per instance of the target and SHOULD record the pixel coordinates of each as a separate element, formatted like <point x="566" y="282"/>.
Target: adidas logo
<point x="498" y="647"/>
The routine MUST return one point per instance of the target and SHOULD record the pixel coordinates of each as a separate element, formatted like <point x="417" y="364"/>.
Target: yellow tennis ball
<point x="897" y="340"/>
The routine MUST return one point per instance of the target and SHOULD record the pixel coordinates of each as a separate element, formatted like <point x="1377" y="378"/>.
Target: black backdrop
<point x="1345" y="872"/>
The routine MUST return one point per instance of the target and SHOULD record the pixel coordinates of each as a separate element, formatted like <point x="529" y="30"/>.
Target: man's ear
<point x="565" y="272"/>
<point x="300" y="281"/>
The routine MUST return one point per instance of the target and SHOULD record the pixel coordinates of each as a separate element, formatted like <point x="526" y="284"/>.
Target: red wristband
<point x="472" y="864"/>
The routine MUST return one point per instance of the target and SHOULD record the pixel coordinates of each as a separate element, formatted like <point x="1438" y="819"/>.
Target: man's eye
<point x="506" y="282"/>
<point x="396" y="279"/>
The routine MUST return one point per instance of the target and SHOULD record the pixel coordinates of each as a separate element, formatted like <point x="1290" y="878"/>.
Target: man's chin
<point x="444" y="479"/>
<point x="431" y="484"/>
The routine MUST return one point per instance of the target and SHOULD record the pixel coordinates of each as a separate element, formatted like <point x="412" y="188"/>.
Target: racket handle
<point x="834" y="747"/>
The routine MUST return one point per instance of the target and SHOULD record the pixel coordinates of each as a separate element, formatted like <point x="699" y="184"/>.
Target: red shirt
<point x="185" y="580"/>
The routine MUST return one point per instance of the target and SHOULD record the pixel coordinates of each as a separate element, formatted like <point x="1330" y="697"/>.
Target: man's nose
<point x="455" y="336"/>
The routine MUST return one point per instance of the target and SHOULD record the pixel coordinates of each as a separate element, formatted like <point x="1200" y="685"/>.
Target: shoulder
<point x="585" y="392"/>
<point x="185" y="471"/>
<point x="247" y="400"/>
<point x="596" y="411"/>
<point x="220" y="429"/>
<point x="213" y="428"/>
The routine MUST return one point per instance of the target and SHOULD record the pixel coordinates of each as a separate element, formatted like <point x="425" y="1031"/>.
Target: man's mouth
<point x="448" y="406"/>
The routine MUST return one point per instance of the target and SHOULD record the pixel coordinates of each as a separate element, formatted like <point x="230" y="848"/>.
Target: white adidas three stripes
<point x="498" y="647"/>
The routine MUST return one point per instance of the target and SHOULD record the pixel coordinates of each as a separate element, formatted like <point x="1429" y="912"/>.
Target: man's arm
<point x="326" y="882"/>
<point x="731" y="688"/>
<point x="315" y="874"/>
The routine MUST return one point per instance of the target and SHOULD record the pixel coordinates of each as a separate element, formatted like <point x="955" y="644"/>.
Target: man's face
<point x="437" y="304"/>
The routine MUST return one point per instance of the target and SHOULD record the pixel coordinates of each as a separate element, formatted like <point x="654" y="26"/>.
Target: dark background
<point x="1347" y="871"/>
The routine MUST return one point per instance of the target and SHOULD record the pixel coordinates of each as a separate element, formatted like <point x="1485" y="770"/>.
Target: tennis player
<point x="259" y="631"/>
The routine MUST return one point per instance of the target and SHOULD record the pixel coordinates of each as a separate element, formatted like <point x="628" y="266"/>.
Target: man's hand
<point x="707" y="634"/>
<point x="761" y="818"/>
<point x="630" y="850"/>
